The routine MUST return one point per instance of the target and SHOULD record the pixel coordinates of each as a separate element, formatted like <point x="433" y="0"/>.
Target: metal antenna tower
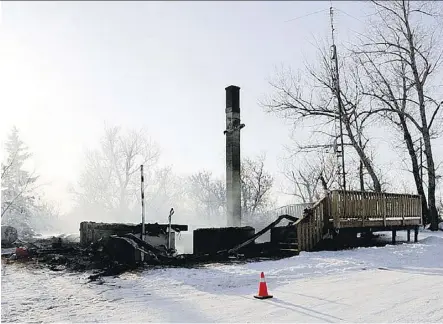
<point x="340" y="153"/>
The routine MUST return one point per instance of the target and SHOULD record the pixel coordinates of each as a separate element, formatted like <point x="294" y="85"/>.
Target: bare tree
<point x="311" y="177"/>
<point x="256" y="184"/>
<point x="208" y="194"/>
<point x="400" y="56"/>
<point x="291" y="101"/>
<point x="110" y="179"/>
<point x="163" y="190"/>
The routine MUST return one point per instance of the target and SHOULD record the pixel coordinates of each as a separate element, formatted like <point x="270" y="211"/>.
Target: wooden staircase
<point x="312" y="226"/>
<point x="284" y="240"/>
<point x="288" y="248"/>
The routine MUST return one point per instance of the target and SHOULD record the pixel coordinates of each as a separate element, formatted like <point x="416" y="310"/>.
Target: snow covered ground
<point x="402" y="283"/>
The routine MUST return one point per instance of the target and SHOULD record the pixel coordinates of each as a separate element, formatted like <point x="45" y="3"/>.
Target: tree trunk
<point x="362" y="155"/>
<point x="361" y="168"/>
<point x="415" y="168"/>
<point x="361" y="176"/>
<point x="419" y="83"/>
<point x="433" y="213"/>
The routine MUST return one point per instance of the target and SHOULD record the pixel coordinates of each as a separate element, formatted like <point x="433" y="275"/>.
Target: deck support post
<point x="409" y="235"/>
<point x="416" y="234"/>
<point x="394" y="234"/>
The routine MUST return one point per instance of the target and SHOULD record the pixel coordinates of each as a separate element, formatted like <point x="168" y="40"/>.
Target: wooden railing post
<point x="299" y="240"/>
<point x="326" y="213"/>
<point x="335" y="208"/>
<point x="402" y="209"/>
<point x="311" y="231"/>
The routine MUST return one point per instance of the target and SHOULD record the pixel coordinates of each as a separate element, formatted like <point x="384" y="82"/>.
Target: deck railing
<point x="362" y="208"/>
<point x="356" y="209"/>
<point x="295" y="210"/>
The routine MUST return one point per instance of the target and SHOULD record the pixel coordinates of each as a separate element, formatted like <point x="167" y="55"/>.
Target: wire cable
<point x="309" y="14"/>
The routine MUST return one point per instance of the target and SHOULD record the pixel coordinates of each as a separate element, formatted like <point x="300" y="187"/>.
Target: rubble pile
<point x="118" y="253"/>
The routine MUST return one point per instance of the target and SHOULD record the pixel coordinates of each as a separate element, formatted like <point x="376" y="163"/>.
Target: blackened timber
<point x="263" y="231"/>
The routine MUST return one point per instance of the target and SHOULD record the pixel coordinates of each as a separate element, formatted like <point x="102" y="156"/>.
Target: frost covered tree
<point x="109" y="185"/>
<point x="208" y="196"/>
<point x="18" y="186"/>
<point x="163" y="190"/>
<point x="208" y="193"/>
<point x="256" y="185"/>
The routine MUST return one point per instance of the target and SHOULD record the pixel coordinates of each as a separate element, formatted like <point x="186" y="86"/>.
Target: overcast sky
<point x="68" y="67"/>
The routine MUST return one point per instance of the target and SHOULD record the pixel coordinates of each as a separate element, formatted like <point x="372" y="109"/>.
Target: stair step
<point x="287" y="247"/>
<point x="289" y="250"/>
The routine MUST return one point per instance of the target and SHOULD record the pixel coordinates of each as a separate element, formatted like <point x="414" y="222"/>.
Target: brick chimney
<point x="232" y="132"/>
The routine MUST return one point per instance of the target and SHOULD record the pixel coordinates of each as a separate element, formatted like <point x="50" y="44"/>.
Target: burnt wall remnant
<point x="232" y="132"/>
<point x="156" y="234"/>
<point x="212" y="240"/>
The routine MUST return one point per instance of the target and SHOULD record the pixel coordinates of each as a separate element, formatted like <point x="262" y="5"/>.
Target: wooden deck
<point x="358" y="211"/>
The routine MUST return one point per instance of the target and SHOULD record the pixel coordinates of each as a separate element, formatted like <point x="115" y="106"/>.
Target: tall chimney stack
<point x="232" y="132"/>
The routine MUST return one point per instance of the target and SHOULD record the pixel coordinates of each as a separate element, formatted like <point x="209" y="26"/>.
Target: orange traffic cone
<point x="262" y="288"/>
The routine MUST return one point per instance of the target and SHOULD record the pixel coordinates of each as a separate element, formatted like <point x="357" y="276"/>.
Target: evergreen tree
<point x="17" y="203"/>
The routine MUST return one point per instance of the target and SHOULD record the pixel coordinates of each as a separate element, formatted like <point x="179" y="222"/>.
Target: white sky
<point x="68" y="67"/>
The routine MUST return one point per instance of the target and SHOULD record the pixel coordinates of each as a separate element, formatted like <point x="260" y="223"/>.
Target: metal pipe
<point x="171" y="212"/>
<point x="142" y="189"/>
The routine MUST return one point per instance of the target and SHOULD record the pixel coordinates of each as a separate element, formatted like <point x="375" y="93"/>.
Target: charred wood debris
<point x="117" y="254"/>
